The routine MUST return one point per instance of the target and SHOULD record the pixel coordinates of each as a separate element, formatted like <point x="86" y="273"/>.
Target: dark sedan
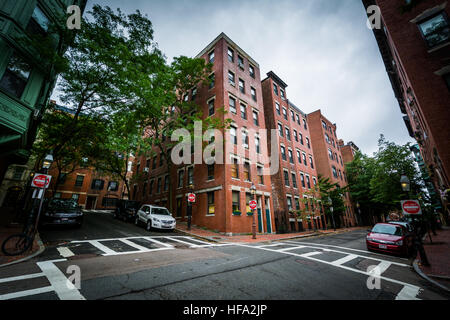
<point x="126" y="209"/>
<point x="62" y="212"/>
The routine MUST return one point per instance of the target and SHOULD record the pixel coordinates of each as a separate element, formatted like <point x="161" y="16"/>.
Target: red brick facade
<point x="80" y="185"/>
<point x="297" y="172"/>
<point x="330" y="163"/>
<point x="219" y="214"/>
<point x="418" y="66"/>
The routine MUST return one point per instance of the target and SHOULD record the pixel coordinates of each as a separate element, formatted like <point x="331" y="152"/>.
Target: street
<point x="119" y="260"/>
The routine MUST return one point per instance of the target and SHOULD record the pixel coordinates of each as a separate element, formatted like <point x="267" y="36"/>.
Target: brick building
<point x="90" y="188"/>
<point x="329" y="160"/>
<point x="297" y="173"/>
<point x="223" y="190"/>
<point x="348" y="151"/>
<point x="414" y="41"/>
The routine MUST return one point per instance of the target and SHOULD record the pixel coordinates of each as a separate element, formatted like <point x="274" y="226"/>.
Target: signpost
<point x="191" y="197"/>
<point x="411" y="207"/>
<point x="41" y="181"/>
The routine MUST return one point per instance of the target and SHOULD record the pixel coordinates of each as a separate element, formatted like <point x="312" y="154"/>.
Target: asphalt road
<point x="129" y="263"/>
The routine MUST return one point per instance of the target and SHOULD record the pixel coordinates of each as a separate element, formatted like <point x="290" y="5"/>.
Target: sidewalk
<point x="6" y="231"/>
<point x="219" y="237"/>
<point x="438" y="254"/>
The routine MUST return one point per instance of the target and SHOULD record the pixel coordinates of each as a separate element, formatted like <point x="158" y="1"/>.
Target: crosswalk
<point x="347" y="259"/>
<point x="131" y="245"/>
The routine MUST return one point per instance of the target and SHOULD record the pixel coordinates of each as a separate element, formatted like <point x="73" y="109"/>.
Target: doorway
<point x="91" y="203"/>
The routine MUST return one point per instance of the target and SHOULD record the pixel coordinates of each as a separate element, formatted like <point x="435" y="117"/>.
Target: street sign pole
<point x="191" y="199"/>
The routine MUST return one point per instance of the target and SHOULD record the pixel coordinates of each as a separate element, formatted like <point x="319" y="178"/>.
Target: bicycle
<point x="17" y="244"/>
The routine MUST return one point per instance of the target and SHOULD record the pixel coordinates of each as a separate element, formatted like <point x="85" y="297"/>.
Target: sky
<point x="322" y="49"/>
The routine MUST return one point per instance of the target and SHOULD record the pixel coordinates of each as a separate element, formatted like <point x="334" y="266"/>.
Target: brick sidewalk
<point x="8" y="231"/>
<point x="211" y="235"/>
<point x="438" y="254"/>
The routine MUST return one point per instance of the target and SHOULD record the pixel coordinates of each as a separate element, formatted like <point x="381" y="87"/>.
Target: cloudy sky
<point x="321" y="48"/>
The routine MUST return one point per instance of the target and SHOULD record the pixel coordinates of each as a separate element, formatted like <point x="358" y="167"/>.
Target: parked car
<point x="407" y="225"/>
<point x="126" y="209"/>
<point x="61" y="212"/>
<point x="390" y="238"/>
<point x="155" y="217"/>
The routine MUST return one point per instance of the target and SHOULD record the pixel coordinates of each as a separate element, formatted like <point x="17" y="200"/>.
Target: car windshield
<point x="387" y="229"/>
<point x="161" y="211"/>
<point x="63" y="204"/>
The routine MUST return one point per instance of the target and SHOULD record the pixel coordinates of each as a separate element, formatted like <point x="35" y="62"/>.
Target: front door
<point x="90" y="203"/>
<point x="260" y="218"/>
<point x="268" y="217"/>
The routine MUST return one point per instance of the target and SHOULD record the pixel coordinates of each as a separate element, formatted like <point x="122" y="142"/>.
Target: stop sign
<point x="191" y="197"/>
<point x="253" y="204"/>
<point x="411" y="207"/>
<point x="41" y="181"/>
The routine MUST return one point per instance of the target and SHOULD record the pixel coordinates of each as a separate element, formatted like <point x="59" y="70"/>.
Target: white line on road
<point x="408" y="293"/>
<point x="192" y="245"/>
<point x="24" y="277"/>
<point x="361" y="256"/>
<point x="329" y="245"/>
<point x="62" y="286"/>
<point x="293" y="248"/>
<point x="383" y="266"/>
<point x="65" y="252"/>
<point x="159" y="242"/>
<point x="309" y="254"/>
<point x="348" y="258"/>
<point x="102" y="247"/>
<point x="134" y="245"/>
<point x="26" y="293"/>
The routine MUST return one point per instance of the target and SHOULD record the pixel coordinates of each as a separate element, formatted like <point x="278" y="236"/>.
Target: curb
<point x="423" y="275"/>
<point x="283" y="239"/>
<point x="41" y="249"/>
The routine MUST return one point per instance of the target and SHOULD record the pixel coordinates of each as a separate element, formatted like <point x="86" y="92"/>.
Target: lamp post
<point x="253" y="192"/>
<point x="46" y="164"/>
<point x="189" y="208"/>
<point x="358" y="206"/>
<point x="330" y="202"/>
<point x="406" y="187"/>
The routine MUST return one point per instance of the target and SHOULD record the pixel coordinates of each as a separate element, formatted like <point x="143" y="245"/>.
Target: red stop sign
<point x="411" y="207"/>
<point x="253" y="204"/>
<point x="41" y="181"/>
<point x="191" y="197"/>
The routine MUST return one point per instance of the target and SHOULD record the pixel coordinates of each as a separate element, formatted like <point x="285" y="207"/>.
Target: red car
<point x="390" y="238"/>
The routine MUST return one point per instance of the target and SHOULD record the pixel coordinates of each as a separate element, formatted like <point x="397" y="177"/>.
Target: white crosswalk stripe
<point x="319" y="254"/>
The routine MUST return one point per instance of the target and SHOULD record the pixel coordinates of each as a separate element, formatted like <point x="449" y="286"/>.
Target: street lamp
<point x="330" y="202"/>
<point x="189" y="208"/>
<point x="253" y="192"/>
<point x="359" y="213"/>
<point x="47" y="163"/>
<point x="405" y="182"/>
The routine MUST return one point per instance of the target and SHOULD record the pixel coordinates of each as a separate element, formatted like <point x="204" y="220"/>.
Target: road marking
<point x="351" y="249"/>
<point x="102" y="247"/>
<point x="348" y="258"/>
<point x="195" y="240"/>
<point x="60" y="284"/>
<point x="408" y="293"/>
<point x="382" y="267"/>
<point x="65" y="252"/>
<point x="309" y="254"/>
<point x="274" y="245"/>
<point x="134" y="245"/>
<point x="169" y="246"/>
<point x="192" y="245"/>
<point x="26" y="293"/>
<point x="28" y="276"/>
<point x="293" y="248"/>
<point x="361" y="256"/>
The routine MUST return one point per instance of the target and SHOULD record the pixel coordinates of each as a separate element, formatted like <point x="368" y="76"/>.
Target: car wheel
<point x="149" y="225"/>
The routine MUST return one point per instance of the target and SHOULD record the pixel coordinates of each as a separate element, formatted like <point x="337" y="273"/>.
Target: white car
<point x="155" y="217"/>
